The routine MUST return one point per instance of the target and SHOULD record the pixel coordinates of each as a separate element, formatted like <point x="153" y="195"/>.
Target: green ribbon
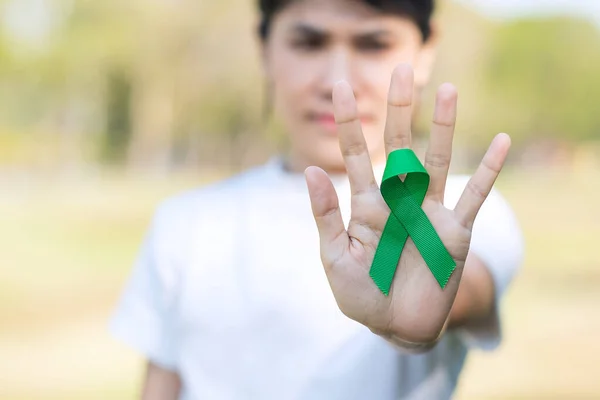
<point x="407" y="218"/>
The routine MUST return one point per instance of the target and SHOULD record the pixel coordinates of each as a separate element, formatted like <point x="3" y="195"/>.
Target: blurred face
<point x="312" y="45"/>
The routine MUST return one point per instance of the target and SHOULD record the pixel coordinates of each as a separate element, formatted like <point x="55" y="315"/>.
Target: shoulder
<point x="495" y="213"/>
<point x="214" y="195"/>
<point x="497" y="236"/>
<point x="191" y="225"/>
<point x="495" y="202"/>
<point x="206" y="208"/>
<point x="496" y="230"/>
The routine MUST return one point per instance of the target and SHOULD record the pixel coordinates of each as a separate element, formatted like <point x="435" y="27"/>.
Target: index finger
<point x="481" y="183"/>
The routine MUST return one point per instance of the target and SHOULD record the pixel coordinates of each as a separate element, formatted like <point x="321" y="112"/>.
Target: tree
<point x="543" y="74"/>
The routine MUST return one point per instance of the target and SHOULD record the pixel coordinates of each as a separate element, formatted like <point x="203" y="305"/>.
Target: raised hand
<point x="417" y="308"/>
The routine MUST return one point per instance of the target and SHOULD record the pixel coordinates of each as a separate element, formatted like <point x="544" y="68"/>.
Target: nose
<point x="337" y="67"/>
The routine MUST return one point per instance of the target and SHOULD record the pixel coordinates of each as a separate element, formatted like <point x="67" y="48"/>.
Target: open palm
<point x="416" y="308"/>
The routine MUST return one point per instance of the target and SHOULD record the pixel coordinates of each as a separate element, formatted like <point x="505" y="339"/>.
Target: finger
<point x="399" y="111"/>
<point x="326" y="210"/>
<point x="352" y="142"/>
<point x="481" y="183"/>
<point x="439" y="152"/>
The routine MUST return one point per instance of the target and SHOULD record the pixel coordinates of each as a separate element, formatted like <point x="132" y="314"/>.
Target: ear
<point x="426" y="57"/>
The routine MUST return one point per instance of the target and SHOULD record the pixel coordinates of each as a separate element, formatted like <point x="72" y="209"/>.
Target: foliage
<point x="154" y="83"/>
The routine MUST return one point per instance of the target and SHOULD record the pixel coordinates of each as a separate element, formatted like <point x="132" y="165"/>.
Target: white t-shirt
<point x="230" y="292"/>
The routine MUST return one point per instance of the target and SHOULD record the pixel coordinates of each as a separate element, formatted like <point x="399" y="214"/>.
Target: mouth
<point x="327" y="121"/>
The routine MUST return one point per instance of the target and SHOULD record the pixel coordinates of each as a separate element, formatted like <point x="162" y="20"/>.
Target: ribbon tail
<point x="432" y="249"/>
<point x="388" y="253"/>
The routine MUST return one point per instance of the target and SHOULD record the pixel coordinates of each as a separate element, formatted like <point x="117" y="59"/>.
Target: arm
<point x="160" y="384"/>
<point x="145" y="318"/>
<point x="474" y="303"/>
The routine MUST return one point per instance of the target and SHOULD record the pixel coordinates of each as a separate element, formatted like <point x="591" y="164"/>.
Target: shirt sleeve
<point x="498" y="241"/>
<point x="146" y="313"/>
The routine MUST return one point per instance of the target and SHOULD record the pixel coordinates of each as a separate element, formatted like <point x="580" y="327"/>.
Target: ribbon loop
<point x="407" y="218"/>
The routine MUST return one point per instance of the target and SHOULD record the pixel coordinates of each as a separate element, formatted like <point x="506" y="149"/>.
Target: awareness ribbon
<point x="407" y="218"/>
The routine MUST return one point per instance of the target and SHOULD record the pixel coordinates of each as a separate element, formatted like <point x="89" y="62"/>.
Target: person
<point x="228" y="299"/>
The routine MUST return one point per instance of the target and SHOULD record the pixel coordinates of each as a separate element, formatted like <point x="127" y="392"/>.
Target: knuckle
<point x="445" y="124"/>
<point x="396" y="142"/>
<point x="479" y="192"/>
<point x="437" y="160"/>
<point x="493" y="167"/>
<point x="354" y="149"/>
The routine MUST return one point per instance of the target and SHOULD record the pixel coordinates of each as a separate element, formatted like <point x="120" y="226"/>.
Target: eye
<point x="372" y="44"/>
<point x="308" y="43"/>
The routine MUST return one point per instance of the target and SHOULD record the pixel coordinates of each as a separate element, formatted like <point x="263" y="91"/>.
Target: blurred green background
<point x="107" y="107"/>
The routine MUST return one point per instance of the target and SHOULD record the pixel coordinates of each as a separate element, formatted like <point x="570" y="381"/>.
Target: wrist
<point x="410" y="346"/>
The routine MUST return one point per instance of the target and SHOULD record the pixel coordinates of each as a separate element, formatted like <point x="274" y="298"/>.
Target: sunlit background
<point x="107" y="107"/>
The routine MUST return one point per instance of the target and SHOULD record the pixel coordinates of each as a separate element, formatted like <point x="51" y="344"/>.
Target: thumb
<point x="326" y="210"/>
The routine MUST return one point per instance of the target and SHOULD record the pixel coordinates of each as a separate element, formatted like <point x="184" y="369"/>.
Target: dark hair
<point x="419" y="11"/>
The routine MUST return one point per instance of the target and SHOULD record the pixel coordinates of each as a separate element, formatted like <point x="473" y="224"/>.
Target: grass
<point x="68" y="247"/>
